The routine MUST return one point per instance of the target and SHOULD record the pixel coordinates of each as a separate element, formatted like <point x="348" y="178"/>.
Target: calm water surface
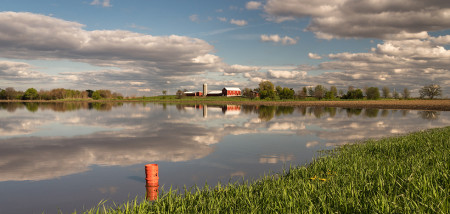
<point x="72" y="155"/>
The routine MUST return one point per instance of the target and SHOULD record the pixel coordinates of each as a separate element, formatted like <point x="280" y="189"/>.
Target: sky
<point x="142" y="47"/>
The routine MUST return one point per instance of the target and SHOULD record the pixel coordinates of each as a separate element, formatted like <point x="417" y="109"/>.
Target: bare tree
<point x="406" y="93"/>
<point x="430" y="91"/>
<point x="385" y="92"/>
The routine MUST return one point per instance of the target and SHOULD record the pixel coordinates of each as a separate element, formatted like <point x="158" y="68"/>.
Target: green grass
<point x="169" y="98"/>
<point x="404" y="174"/>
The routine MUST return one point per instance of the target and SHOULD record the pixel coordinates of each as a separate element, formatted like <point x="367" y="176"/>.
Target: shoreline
<point x="436" y="105"/>
<point x="361" y="177"/>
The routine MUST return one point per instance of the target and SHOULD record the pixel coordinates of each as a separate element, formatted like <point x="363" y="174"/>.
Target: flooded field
<point x="72" y="155"/>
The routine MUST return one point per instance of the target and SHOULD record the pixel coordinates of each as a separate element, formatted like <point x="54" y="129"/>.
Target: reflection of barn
<point x="193" y="94"/>
<point x="231" y="109"/>
<point x="231" y="92"/>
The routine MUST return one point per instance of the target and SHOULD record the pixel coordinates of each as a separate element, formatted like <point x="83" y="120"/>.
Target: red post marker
<point x="152" y="181"/>
<point x="152" y="192"/>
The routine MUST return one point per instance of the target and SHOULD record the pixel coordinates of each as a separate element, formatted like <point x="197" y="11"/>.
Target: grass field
<point x="404" y="174"/>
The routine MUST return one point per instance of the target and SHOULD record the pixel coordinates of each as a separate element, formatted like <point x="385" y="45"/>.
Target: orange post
<point x="152" y="192"/>
<point x="152" y="181"/>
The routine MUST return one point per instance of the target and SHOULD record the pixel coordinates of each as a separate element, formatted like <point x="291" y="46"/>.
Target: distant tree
<point x="30" y="94"/>
<point x="164" y="92"/>
<point x="10" y="93"/>
<point x="395" y="94"/>
<point x="180" y="94"/>
<point x="351" y="88"/>
<point x="406" y="93"/>
<point x="329" y="95"/>
<point x="2" y="94"/>
<point x="341" y="92"/>
<point x="266" y="90"/>
<point x="430" y="91"/>
<point x="90" y="92"/>
<point x="96" y="95"/>
<point x="19" y="95"/>
<point x="117" y="95"/>
<point x="286" y="93"/>
<point x="373" y="93"/>
<point x="353" y="94"/>
<point x="365" y="89"/>
<point x="44" y="95"/>
<point x="319" y="92"/>
<point x="302" y="93"/>
<point x="248" y="92"/>
<point x="279" y="89"/>
<point x="105" y="93"/>
<point x="333" y="91"/>
<point x="310" y="91"/>
<point x="84" y="94"/>
<point x="385" y="92"/>
<point x="58" y="93"/>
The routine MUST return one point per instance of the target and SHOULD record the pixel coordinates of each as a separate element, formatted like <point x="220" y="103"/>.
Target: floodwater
<point x="69" y="156"/>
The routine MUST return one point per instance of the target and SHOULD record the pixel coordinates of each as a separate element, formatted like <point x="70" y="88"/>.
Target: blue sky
<point x="144" y="47"/>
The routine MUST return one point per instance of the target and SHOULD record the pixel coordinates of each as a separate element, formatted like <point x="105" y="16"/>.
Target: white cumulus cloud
<point x="253" y="5"/>
<point x="238" y="22"/>
<point x="126" y="55"/>
<point x="314" y="56"/>
<point x="286" y="40"/>
<point x="383" y="19"/>
<point x="287" y="74"/>
<point x="105" y="3"/>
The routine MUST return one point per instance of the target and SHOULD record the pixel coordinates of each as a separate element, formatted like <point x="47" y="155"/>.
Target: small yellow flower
<point x="322" y="179"/>
<point x="314" y="178"/>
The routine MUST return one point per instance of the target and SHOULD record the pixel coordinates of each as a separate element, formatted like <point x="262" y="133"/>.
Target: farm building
<point x="231" y="92"/>
<point x="193" y="94"/>
<point x="215" y="93"/>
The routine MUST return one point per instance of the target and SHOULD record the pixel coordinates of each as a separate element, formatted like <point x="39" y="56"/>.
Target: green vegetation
<point x="57" y="94"/>
<point x="373" y="93"/>
<point x="266" y="91"/>
<point x="406" y="174"/>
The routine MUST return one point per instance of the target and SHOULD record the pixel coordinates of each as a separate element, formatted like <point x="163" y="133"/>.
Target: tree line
<point x="57" y="94"/>
<point x="267" y="90"/>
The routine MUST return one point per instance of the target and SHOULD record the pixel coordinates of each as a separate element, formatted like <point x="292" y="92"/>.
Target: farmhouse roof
<point x="232" y="89"/>
<point x="215" y="92"/>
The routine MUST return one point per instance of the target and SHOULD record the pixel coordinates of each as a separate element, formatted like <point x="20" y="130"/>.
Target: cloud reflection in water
<point x="142" y="133"/>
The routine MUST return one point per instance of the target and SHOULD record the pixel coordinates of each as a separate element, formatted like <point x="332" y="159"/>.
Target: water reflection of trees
<point x="429" y="115"/>
<point x="353" y="111"/>
<point x="32" y="107"/>
<point x="371" y="112"/>
<point x="266" y="113"/>
<point x="11" y="107"/>
<point x="284" y="110"/>
<point x="59" y="107"/>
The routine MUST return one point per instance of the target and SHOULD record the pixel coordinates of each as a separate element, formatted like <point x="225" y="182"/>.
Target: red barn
<point x="231" y="92"/>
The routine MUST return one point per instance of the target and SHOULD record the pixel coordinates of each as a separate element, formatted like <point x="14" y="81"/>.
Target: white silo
<point x="205" y="89"/>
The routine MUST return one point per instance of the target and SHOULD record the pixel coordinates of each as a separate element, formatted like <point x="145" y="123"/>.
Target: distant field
<point x="437" y="105"/>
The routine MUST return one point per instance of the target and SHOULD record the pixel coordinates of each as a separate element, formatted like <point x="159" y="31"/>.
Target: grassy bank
<point x="406" y="174"/>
